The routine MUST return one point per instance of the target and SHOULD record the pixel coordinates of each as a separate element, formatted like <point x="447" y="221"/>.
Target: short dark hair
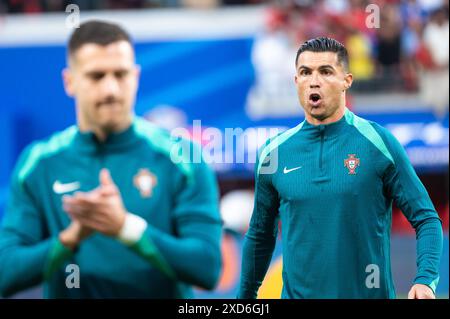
<point x="324" y="44"/>
<point x="98" y="32"/>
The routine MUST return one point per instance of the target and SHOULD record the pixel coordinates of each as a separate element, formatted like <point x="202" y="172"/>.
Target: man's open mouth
<point x="315" y="99"/>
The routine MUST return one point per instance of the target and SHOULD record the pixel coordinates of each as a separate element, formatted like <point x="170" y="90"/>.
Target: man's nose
<point x="110" y="86"/>
<point x="315" y="80"/>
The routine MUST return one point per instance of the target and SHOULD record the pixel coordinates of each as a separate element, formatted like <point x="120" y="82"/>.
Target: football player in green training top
<point x="336" y="179"/>
<point x="112" y="195"/>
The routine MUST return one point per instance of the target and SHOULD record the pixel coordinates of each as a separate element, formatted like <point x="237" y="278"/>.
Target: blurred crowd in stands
<point x="408" y="51"/>
<point x="35" y="6"/>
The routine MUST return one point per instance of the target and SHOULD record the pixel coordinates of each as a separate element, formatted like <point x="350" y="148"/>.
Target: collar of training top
<point x="88" y="141"/>
<point x="330" y="129"/>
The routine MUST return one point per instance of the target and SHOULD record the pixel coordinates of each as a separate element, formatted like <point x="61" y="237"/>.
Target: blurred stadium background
<point x="230" y="63"/>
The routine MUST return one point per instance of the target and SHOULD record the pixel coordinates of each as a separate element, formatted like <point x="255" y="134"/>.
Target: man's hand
<point x="419" y="291"/>
<point x="72" y="236"/>
<point x="101" y="209"/>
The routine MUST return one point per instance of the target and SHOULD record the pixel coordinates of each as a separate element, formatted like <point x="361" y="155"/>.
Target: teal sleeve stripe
<point x="276" y="142"/>
<point x="57" y="255"/>
<point x="47" y="148"/>
<point x="181" y="152"/>
<point x="367" y="130"/>
<point x="433" y="284"/>
<point x="147" y="249"/>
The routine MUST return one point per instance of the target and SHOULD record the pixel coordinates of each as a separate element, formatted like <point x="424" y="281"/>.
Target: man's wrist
<point x="132" y="230"/>
<point x="68" y="241"/>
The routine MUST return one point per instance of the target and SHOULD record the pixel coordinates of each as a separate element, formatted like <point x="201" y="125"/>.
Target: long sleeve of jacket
<point x="404" y="186"/>
<point x="27" y="254"/>
<point x="261" y="236"/>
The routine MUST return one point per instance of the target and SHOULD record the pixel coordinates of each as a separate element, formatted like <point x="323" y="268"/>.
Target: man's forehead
<point x="120" y="53"/>
<point x="316" y="59"/>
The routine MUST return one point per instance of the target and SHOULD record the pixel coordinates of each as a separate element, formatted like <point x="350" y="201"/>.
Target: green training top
<point x="333" y="189"/>
<point x="162" y="180"/>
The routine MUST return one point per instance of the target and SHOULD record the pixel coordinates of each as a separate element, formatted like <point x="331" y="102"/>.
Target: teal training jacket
<point x="333" y="189"/>
<point x="161" y="179"/>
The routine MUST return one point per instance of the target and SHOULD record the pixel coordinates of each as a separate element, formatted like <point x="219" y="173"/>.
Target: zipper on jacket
<point x="322" y="134"/>
<point x="101" y="155"/>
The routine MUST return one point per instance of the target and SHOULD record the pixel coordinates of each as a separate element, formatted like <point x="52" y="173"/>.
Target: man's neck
<point x="102" y="133"/>
<point x="335" y="117"/>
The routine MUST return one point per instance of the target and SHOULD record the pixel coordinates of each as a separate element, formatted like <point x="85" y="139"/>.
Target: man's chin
<point x="110" y="126"/>
<point x="318" y="114"/>
<point x="114" y="125"/>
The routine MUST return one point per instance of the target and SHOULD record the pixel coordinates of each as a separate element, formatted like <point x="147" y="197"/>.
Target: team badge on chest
<point x="145" y="181"/>
<point x="351" y="163"/>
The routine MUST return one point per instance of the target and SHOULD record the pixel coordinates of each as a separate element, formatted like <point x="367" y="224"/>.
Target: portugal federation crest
<point x="145" y="181"/>
<point x="351" y="163"/>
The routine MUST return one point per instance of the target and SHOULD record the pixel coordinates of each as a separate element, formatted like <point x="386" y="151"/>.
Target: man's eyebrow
<point x="304" y="67"/>
<point x="326" y="66"/>
<point x="95" y="72"/>
<point x="121" y="69"/>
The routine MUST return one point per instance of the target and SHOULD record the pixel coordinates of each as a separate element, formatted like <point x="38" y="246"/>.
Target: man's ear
<point x="348" y="81"/>
<point x="137" y="74"/>
<point x="68" y="81"/>
<point x="138" y="71"/>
